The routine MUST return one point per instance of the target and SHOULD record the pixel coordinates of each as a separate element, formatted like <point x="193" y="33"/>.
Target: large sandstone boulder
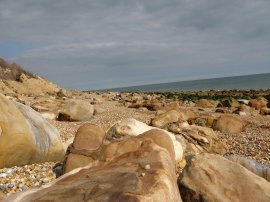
<point x="229" y="124"/>
<point x="162" y="121"/>
<point x="209" y="177"/>
<point x="26" y="137"/>
<point x="259" y="169"/>
<point x="85" y="148"/>
<point x="204" y="103"/>
<point x="131" y="127"/>
<point x="76" y="110"/>
<point x="139" y="168"/>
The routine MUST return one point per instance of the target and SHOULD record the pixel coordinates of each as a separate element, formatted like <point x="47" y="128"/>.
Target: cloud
<point x="102" y="43"/>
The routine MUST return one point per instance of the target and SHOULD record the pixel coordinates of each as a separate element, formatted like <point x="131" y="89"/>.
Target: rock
<point x="120" y="175"/>
<point x="203" y="139"/>
<point x="243" y="101"/>
<point x="258" y="103"/>
<point x="209" y="177"/>
<point x="162" y="121"/>
<point x="62" y="93"/>
<point x="204" y="103"/>
<point x="88" y="140"/>
<point x="26" y="137"/>
<point x="221" y="110"/>
<point x="259" y="169"/>
<point x="99" y="110"/>
<point x="229" y="124"/>
<point x="50" y="116"/>
<point x="231" y="102"/>
<point x="265" y="111"/>
<point x="76" y="110"/>
<point x="132" y="127"/>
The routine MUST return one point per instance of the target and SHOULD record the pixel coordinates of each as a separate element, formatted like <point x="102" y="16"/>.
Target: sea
<point x="247" y="82"/>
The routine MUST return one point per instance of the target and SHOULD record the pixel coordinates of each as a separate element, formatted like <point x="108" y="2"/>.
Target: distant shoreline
<point x="246" y="82"/>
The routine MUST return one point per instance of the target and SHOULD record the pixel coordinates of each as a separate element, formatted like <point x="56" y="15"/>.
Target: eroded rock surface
<point x="209" y="177"/>
<point x="139" y="168"/>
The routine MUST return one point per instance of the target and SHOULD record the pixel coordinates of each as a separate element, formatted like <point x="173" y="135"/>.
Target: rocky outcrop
<point x="76" y="110"/>
<point x="229" y="124"/>
<point x="26" y="137"/>
<point x="209" y="177"/>
<point x="132" y="127"/>
<point x="139" y="168"/>
<point x="259" y="169"/>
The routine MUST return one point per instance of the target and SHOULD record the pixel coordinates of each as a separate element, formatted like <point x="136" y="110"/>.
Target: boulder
<point x="162" y="121"/>
<point x="229" y="124"/>
<point x="87" y="142"/>
<point x="209" y="177"/>
<point x="265" y="111"/>
<point x="76" y="110"/>
<point x="132" y="127"/>
<point x="139" y="168"/>
<point x="258" y="103"/>
<point x="204" y="139"/>
<point x="99" y="110"/>
<point x="257" y="168"/>
<point x="26" y="136"/>
<point x="204" y="103"/>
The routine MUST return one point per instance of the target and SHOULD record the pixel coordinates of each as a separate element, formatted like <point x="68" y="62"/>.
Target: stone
<point x="265" y="111"/>
<point x="257" y="168"/>
<point x="209" y="177"/>
<point x="50" y="116"/>
<point x="118" y="175"/>
<point x="258" y="103"/>
<point x="162" y="121"/>
<point x="229" y="124"/>
<point x="76" y="110"/>
<point x="26" y="137"/>
<point x="204" y="103"/>
<point x="84" y="149"/>
<point x="131" y="127"/>
<point x="230" y="102"/>
<point x="202" y="139"/>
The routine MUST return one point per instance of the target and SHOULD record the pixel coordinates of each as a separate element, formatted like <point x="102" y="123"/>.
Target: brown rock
<point x="88" y="137"/>
<point x="265" y="111"/>
<point x="258" y="103"/>
<point x="204" y="103"/>
<point x="231" y="102"/>
<point x="121" y="177"/>
<point x="162" y="121"/>
<point x="209" y="177"/>
<point x="85" y="147"/>
<point x="203" y="139"/>
<point x="229" y="124"/>
<point x="76" y="110"/>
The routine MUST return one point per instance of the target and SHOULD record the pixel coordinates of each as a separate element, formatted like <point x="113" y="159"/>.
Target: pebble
<point x="21" y="178"/>
<point x="147" y="167"/>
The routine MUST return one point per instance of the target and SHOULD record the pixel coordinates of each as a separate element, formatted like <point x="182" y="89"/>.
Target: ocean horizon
<point x="245" y="82"/>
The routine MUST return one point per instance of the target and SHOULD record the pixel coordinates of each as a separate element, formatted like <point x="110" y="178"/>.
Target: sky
<point x="97" y="44"/>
